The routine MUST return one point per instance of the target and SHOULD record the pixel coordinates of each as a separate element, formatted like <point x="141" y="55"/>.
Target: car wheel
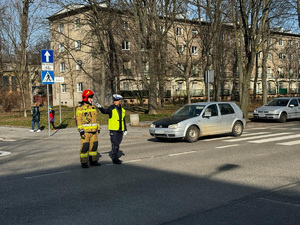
<point x="237" y="129"/>
<point x="282" y="118"/>
<point x="192" y="134"/>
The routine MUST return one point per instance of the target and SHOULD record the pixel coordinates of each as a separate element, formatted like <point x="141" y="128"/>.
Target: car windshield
<point x="189" y="110"/>
<point x="278" y="102"/>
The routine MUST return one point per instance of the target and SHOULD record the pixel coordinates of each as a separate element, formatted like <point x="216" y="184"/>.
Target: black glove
<point x="81" y="132"/>
<point x="98" y="131"/>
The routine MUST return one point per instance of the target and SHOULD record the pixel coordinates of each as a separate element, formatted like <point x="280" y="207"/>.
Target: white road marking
<point x="220" y="138"/>
<point x="280" y="202"/>
<point x="134" y="160"/>
<point x="276" y="138"/>
<point x="297" y="142"/>
<point x="3" y="153"/>
<point x="182" y="153"/>
<point x="228" y="146"/>
<point x="252" y="134"/>
<point x="255" y="137"/>
<point x="4" y="139"/>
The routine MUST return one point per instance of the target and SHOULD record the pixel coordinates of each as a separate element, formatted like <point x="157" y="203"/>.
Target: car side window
<point x="294" y="102"/>
<point x="226" y="109"/>
<point x="213" y="109"/>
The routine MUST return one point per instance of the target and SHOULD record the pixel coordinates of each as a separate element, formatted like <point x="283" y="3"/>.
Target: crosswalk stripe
<point x="231" y="137"/>
<point x="297" y="142"/>
<point x="255" y="137"/>
<point x="276" y="138"/>
<point x="252" y="134"/>
<point x="228" y="146"/>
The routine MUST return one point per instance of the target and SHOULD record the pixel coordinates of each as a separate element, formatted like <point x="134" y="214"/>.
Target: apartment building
<point x="188" y="55"/>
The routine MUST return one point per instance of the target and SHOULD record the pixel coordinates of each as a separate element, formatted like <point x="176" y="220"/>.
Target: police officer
<point x="89" y="128"/>
<point x="116" y="125"/>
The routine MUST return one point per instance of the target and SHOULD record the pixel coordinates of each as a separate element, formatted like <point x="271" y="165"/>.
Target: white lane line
<point x="228" y="146"/>
<point x="4" y="139"/>
<point x="276" y="138"/>
<point x="255" y="137"/>
<point x="297" y="142"/>
<point x="252" y="134"/>
<point x="220" y="138"/>
<point x="134" y="160"/>
<point x="3" y="153"/>
<point x="47" y="174"/>
<point x="182" y="153"/>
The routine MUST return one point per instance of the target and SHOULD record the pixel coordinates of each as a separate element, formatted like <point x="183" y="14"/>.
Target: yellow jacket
<point x="86" y="116"/>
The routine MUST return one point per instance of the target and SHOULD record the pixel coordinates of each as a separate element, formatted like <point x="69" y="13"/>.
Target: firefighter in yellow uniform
<point x="89" y="128"/>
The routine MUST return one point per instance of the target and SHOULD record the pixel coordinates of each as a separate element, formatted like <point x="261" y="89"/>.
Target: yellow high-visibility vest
<point x="113" y="122"/>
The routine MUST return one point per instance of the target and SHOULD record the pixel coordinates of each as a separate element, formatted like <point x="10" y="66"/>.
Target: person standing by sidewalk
<point x="116" y="125"/>
<point x="51" y="117"/>
<point x="35" y="118"/>
<point x="89" y="128"/>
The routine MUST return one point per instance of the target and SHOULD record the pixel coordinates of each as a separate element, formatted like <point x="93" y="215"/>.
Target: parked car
<point x="200" y="119"/>
<point x="279" y="109"/>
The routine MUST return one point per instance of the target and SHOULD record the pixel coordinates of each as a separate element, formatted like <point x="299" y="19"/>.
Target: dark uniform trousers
<point x="115" y="138"/>
<point x="89" y="146"/>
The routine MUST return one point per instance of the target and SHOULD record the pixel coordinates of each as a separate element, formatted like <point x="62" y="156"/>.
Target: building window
<point x="61" y="47"/>
<point x="194" y="50"/>
<point x="298" y="44"/>
<point x="145" y="68"/>
<point x="79" y="87"/>
<point x="290" y="57"/>
<point x="77" y="45"/>
<point x="194" y="33"/>
<point x="78" y="65"/>
<point x="180" y="49"/>
<point x="126" y="86"/>
<point x="77" y="24"/>
<point x="280" y="42"/>
<point x="270" y="56"/>
<point x="63" y="88"/>
<point x="298" y="57"/>
<point x="280" y="72"/>
<point x="162" y="28"/>
<point x="180" y="68"/>
<point x="259" y="55"/>
<point x="290" y="43"/>
<point x="281" y="56"/>
<point x="178" y="31"/>
<point x="61" y="28"/>
<point x="125" y="45"/>
<point x="127" y="68"/>
<point x="125" y="25"/>
<point x="62" y="67"/>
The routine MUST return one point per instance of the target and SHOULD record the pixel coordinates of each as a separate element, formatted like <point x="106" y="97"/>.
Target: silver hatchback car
<point x="279" y="109"/>
<point x="200" y="119"/>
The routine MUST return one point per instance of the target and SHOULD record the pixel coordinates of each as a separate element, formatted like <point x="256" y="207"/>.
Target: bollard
<point x="134" y="119"/>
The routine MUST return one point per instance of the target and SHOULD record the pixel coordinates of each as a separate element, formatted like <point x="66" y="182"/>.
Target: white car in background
<point x="280" y="109"/>
<point x="199" y="119"/>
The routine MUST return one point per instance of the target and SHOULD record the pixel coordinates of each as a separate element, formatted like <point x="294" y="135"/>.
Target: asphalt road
<point x="252" y="179"/>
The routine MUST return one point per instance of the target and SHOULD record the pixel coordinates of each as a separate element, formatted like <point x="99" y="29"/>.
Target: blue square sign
<point x="47" y="56"/>
<point x="47" y="77"/>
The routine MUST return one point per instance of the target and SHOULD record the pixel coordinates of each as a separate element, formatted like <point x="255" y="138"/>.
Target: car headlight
<point x="173" y="126"/>
<point x="255" y="111"/>
<point x="152" y="125"/>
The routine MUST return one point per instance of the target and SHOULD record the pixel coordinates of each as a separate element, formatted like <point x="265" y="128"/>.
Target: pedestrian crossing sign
<point x="47" y="77"/>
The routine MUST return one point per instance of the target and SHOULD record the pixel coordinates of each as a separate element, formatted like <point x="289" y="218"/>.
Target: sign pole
<point x="59" y="104"/>
<point x="48" y="109"/>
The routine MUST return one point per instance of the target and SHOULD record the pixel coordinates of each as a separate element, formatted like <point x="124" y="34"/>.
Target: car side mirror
<point x="207" y="113"/>
<point x="292" y="106"/>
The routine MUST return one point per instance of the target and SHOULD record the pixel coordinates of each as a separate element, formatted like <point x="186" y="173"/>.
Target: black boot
<point x="95" y="163"/>
<point x="84" y="165"/>
<point x="117" y="161"/>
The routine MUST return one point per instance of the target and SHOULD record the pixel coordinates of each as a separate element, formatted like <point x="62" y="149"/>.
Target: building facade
<point x="188" y="55"/>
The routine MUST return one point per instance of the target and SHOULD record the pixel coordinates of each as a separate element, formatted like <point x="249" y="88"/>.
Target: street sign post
<point x="47" y="59"/>
<point x="209" y="78"/>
